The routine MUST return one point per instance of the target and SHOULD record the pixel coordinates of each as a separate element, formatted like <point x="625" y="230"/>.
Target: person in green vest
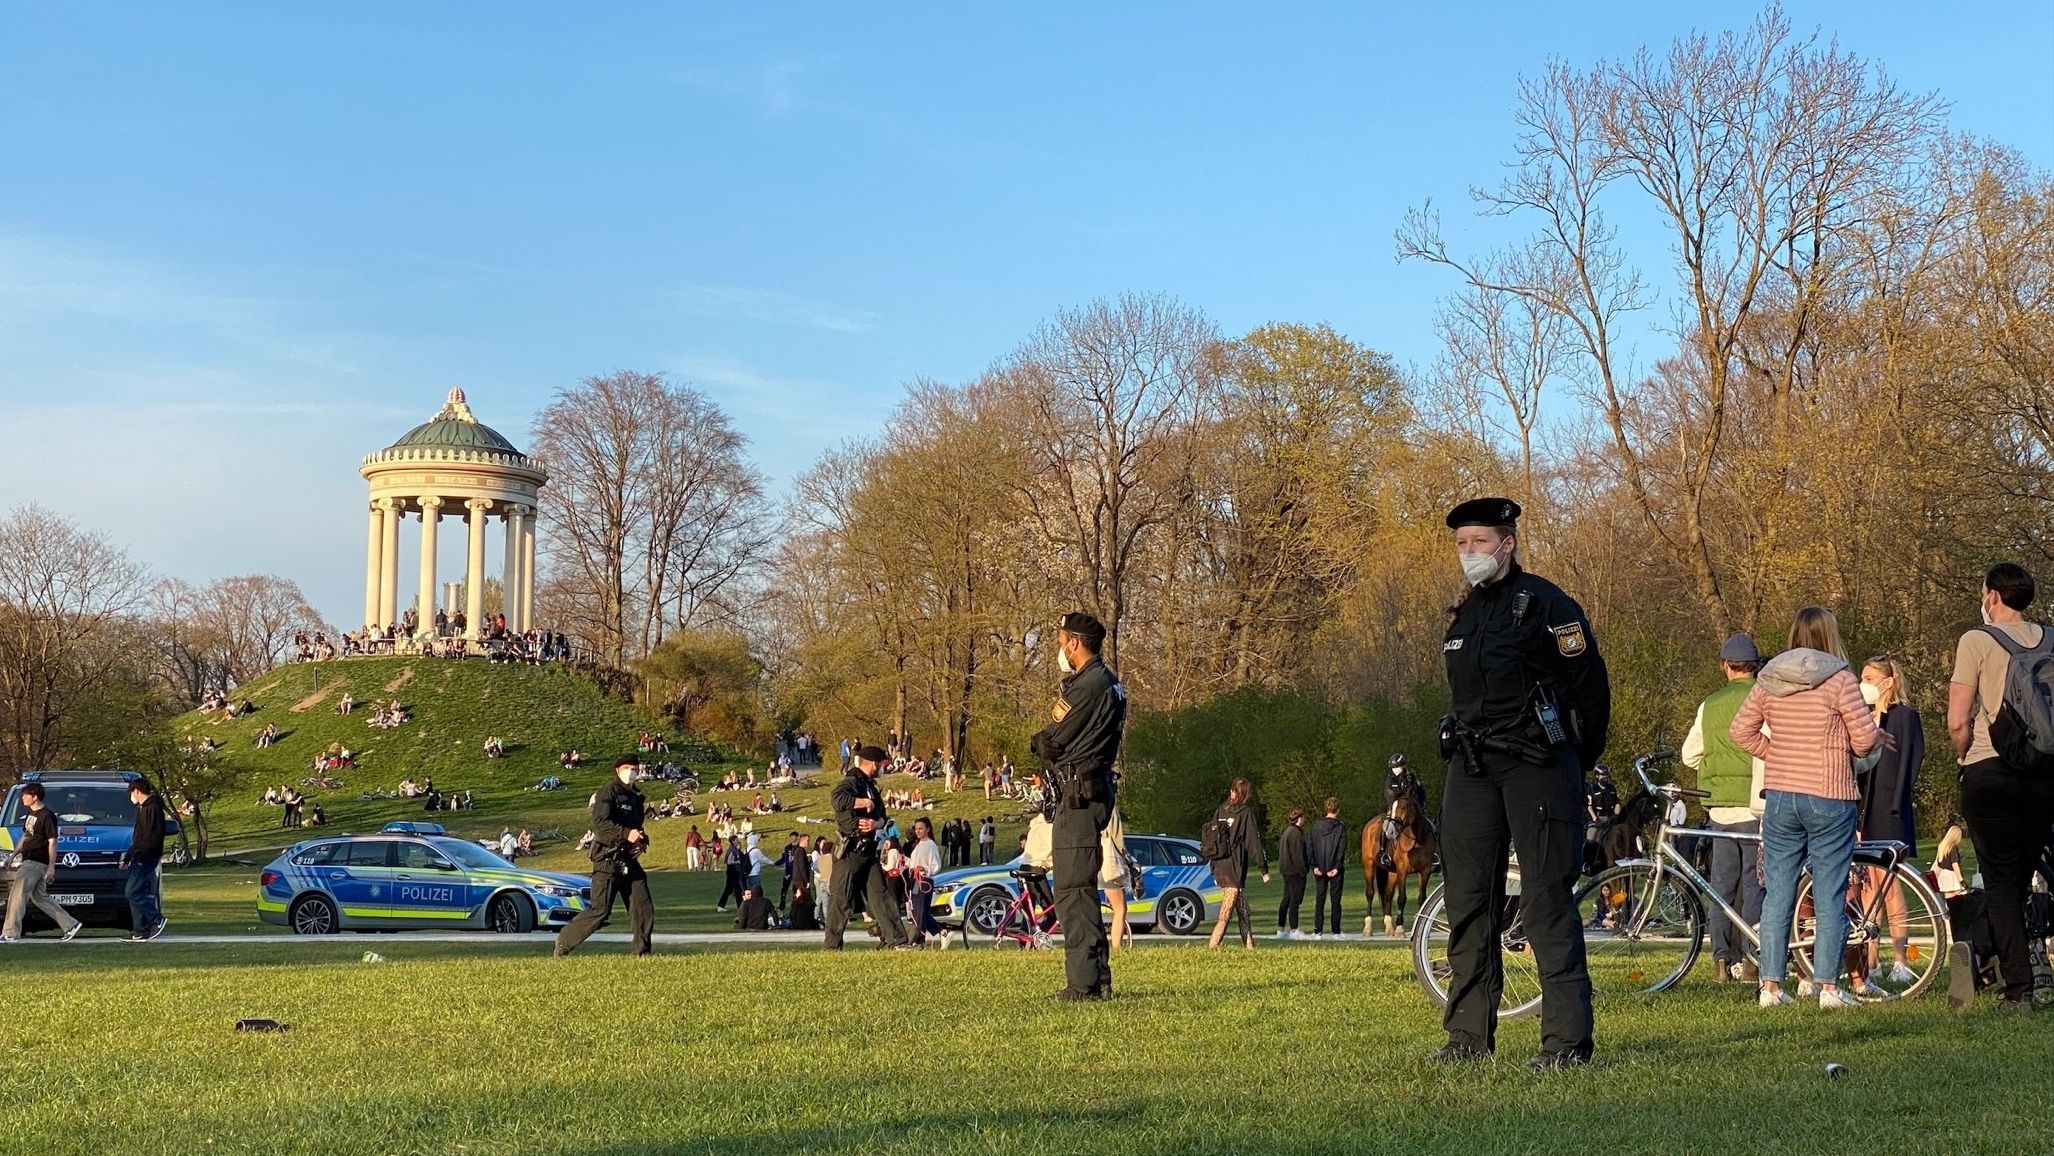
<point x="1734" y="778"/>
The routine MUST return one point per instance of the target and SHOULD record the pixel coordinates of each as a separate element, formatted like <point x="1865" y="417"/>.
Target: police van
<point x="94" y="822"/>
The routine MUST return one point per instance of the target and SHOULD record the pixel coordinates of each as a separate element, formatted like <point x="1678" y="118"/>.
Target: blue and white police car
<point x="1181" y="895"/>
<point x="94" y="821"/>
<point x="402" y="880"/>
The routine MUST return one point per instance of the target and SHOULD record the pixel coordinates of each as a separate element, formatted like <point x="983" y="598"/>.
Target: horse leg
<point x="1368" y="897"/>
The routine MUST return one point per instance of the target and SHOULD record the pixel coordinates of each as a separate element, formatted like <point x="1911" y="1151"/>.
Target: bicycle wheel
<point x="1015" y="929"/>
<point x="1642" y="929"/>
<point x="1522" y="993"/>
<point x="1896" y="928"/>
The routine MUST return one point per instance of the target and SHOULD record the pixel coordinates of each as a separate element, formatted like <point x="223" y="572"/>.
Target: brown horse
<point x="1396" y="845"/>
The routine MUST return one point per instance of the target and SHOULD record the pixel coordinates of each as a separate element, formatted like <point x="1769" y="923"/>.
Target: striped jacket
<point x="1811" y="704"/>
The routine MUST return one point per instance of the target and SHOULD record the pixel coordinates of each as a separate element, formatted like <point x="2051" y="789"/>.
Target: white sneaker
<point x="946" y="941"/>
<point x="1806" y="989"/>
<point x="1836" y="998"/>
<point x="1767" y="998"/>
<point x="1281" y="934"/>
<point x="1867" y="989"/>
<point x="75" y="929"/>
<point x="1901" y="975"/>
<point x="1316" y="937"/>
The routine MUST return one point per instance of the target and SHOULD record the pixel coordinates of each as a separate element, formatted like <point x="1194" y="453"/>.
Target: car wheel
<point x="1179" y="913"/>
<point x="509" y="915"/>
<point x="314" y="915"/>
<point x="986" y="907"/>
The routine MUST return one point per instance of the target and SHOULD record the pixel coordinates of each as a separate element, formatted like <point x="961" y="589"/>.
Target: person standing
<point x="1118" y="874"/>
<point x="1806" y="721"/>
<point x="1291" y="862"/>
<point x="734" y="863"/>
<point x="1240" y="842"/>
<point x="987" y="837"/>
<point x="802" y="915"/>
<point x="1079" y="745"/>
<point x="2008" y="805"/>
<point x="38" y="869"/>
<point x="693" y="842"/>
<point x="859" y="816"/>
<point x="1884" y="812"/>
<point x="923" y="863"/>
<point x="617" y="813"/>
<point x="144" y="862"/>
<point x="1326" y="851"/>
<point x="1734" y="778"/>
<point x="1531" y="708"/>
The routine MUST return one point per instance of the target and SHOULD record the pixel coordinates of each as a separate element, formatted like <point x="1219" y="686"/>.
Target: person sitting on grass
<point x="755" y="913"/>
<point x="776" y="804"/>
<point x="494" y="748"/>
<point x="407" y="789"/>
<point x="347" y="704"/>
<point x="318" y="818"/>
<point x="524" y="844"/>
<point x="270" y="798"/>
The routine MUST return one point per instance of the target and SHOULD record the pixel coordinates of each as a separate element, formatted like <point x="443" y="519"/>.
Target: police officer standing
<point x="1531" y="708"/>
<point x="1080" y="745"/>
<point x="859" y="816"/>
<point x="618" y="840"/>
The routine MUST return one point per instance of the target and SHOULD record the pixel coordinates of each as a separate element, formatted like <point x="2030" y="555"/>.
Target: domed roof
<point x="455" y="426"/>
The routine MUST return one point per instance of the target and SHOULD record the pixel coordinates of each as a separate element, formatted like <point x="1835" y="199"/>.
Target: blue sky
<point x="243" y="245"/>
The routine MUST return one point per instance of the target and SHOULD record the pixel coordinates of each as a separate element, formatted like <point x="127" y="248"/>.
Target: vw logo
<point x="70" y="859"/>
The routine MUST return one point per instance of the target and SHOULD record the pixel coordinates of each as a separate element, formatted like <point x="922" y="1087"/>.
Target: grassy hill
<point x="538" y="712"/>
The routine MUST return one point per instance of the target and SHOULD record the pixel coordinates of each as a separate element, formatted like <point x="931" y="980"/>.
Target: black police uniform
<point x="856" y="870"/>
<point x="1402" y="783"/>
<point x="1090" y="715"/>
<point x="617" y="808"/>
<point x="1511" y="640"/>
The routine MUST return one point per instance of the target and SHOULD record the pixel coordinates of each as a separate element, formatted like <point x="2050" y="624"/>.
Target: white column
<point x="510" y="570"/>
<point x="388" y="562"/>
<point x="373" y="564"/>
<point x="528" y="569"/>
<point x="474" y="570"/>
<point x="431" y="513"/>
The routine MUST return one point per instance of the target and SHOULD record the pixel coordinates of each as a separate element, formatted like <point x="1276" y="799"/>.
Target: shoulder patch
<point x="1569" y="639"/>
<point x="1060" y="710"/>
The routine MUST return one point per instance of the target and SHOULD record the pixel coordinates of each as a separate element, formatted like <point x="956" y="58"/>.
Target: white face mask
<point x="1871" y="693"/>
<point x="1480" y="568"/>
<point x="1987" y="620"/>
<point x="1063" y="661"/>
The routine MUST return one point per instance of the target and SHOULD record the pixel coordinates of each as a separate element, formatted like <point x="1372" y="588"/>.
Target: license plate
<point x="73" y="900"/>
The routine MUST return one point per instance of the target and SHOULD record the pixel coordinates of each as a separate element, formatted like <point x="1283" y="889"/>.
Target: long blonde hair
<point x="1894" y="670"/>
<point x="1815" y="628"/>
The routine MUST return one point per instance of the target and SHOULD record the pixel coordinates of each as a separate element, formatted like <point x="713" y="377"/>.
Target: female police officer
<point x="1531" y="705"/>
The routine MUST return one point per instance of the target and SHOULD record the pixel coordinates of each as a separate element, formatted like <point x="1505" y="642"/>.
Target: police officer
<point x="1531" y="708"/>
<point x="1080" y="745"/>
<point x="1401" y="782"/>
<point x="859" y="815"/>
<point x="618" y="841"/>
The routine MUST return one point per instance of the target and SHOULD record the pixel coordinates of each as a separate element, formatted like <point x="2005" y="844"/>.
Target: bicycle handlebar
<point x="1666" y="790"/>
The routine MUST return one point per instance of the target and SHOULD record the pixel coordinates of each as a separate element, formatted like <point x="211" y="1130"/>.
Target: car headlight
<point x="555" y="892"/>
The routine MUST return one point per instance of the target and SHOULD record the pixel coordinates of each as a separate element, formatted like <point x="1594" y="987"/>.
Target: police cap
<point x="1088" y="630"/>
<point x="1484" y="512"/>
<point x="870" y="754"/>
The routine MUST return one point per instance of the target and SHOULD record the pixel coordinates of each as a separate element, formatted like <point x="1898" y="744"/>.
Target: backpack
<point x="1216" y="839"/>
<point x="2023" y="731"/>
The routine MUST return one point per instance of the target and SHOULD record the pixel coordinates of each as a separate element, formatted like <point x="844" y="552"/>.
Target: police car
<point x="396" y="880"/>
<point x="1181" y="895"/>
<point x="94" y="822"/>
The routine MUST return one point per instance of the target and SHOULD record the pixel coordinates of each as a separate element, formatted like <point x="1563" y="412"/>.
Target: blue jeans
<point x="1799" y="829"/>
<point x="144" y="909"/>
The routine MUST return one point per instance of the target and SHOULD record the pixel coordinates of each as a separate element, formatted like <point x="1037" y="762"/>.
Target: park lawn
<point x="453" y="1048"/>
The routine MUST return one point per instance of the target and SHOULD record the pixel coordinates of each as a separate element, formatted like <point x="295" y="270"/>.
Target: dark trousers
<point x="924" y="925"/>
<point x="1294" y="898"/>
<point x="732" y="885"/>
<point x="983" y="854"/>
<point x="1733" y="879"/>
<point x="144" y="907"/>
<point x="1087" y="967"/>
<point x="1322" y="887"/>
<point x="609" y="883"/>
<point x="1537" y="811"/>
<point x="860" y="875"/>
<point x="2008" y="815"/>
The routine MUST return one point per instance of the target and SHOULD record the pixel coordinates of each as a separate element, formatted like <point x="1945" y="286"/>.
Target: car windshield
<point x="97" y="803"/>
<point x="470" y="854"/>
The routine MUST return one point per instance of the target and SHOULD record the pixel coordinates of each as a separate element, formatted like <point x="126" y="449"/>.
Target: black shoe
<point x="1072" y="995"/>
<point x="2016" y="1006"/>
<point x="1454" y="1053"/>
<point x="1558" y="1061"/>
<point x="158" y="930"/>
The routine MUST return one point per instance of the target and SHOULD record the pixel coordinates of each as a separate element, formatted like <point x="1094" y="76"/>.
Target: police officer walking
<point x="618" y="810"/>
<point x="859" y="816"/>
<point x="1531" y="708"/>
<point x="1080" y="745"/>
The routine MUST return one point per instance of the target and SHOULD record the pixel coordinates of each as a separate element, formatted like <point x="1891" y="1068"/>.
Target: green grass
<point x="451" y="1048"/>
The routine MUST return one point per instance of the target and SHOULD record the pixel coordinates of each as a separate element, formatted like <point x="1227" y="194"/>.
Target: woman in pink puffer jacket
<point x="1807" y="722"/>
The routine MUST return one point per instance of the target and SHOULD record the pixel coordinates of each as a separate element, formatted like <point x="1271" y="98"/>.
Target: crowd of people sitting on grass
<point x="335" y="757"/>
<point x="229" y="706"/>
<point x="267" y="736"/>
<point x="449" y="638"/>
<point x="511" y="845"/>
<point x="495" y="747"/>
<point x="315" y="648"/>
<point x="386" y="718"/>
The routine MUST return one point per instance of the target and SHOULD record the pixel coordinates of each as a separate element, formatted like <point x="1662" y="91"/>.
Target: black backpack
<point x="1216" y="839"/>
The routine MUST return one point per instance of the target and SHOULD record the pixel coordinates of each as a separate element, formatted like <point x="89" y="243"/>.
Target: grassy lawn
<point x="447" y="1048"/>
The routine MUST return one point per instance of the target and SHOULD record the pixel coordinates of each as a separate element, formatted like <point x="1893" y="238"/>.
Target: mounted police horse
<point x="1396" y="845"/>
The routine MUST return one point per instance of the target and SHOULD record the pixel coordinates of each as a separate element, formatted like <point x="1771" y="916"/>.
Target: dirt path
<point x="311" y="701"/>
<point x="405" y="676"/>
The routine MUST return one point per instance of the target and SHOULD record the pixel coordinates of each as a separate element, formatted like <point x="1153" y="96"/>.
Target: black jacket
<point x="1514" y="637"/>
<point x="146" y="838"/>
<point x="1291" y="850"/>
<point x="754" y="915"/>
<point x="1326" y="845"/>
<point x="617" y="808"/>
<point x="1081" y="743"/>
<point x="1244" y="844"/>
<point x="857" y="785"/>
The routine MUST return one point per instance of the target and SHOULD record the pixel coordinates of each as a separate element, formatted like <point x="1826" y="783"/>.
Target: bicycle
<point x="1029" y="922"/>
<point x="1644" y="919"/>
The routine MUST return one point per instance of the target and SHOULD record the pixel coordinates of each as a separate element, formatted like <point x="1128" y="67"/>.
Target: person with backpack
<point x="1805" y="719"/>
<point x="1291" y="861"/>
<point x="735" y="861"/>
<point x="1228" y="842"/>
<point x="2000" y="716"/>
<point x="1326" y="850"/>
